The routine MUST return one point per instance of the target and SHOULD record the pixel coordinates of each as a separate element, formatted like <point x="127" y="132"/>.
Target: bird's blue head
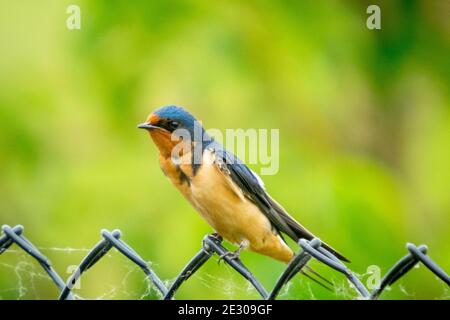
<point x="171" y="118"/>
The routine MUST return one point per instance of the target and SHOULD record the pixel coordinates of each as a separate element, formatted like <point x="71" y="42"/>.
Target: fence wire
<point x="212" y="245"/>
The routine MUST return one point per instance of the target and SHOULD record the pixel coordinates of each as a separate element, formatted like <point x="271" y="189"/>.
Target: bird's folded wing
<point x="253" y="189"/>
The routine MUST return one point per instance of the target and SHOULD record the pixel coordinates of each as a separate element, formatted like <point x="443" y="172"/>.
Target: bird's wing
<point x="253" y="189"/>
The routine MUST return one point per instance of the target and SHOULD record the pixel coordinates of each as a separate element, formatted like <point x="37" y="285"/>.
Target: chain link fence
<point x="212" y="245"/>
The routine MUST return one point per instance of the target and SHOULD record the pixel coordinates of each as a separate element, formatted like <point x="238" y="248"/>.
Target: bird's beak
<point x="147" y="126"/>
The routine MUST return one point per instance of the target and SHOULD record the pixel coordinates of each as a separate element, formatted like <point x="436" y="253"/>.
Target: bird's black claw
<point x="216" y="236"/>
<point x="231" y="254"/>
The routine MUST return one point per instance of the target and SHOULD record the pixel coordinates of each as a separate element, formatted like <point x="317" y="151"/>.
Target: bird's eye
<point x="173" y="124"/>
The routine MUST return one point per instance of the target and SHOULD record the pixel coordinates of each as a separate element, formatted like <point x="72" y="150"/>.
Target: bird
<point x="229" y="195"/>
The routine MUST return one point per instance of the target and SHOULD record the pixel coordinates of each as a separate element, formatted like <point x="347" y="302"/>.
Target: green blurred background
<point x="364" y="123"/>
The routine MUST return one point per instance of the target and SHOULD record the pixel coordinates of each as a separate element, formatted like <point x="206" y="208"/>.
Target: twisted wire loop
<point x="405" y="264"/>
<point x="110" y="240"/>
<point x="15" y="235"/>
<point x="212" y="245"/>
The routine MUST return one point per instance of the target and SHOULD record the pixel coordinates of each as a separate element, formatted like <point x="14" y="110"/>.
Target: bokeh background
<point x="364" y="123"/>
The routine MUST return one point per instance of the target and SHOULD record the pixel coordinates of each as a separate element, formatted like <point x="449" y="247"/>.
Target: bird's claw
<point x="231" y="254"/>
<point x="216" y="236"/>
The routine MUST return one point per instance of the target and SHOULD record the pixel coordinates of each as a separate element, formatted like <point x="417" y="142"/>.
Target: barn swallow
<point x="226" y="193"/>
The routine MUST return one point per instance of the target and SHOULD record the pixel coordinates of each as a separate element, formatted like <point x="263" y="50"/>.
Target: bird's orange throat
<point x="163" y="140"/>
<point x="166" y="143"/>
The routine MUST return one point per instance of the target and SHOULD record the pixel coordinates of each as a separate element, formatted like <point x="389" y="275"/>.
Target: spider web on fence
<point x="27" y="274"/>
<point x="211" y="246"/>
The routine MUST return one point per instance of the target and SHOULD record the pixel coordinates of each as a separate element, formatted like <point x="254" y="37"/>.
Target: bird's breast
<point x="223" y="205"/>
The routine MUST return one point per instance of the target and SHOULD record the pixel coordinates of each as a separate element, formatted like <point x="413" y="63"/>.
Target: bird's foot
<point x="235" y="254"/>
<point x="231" y="254"/>
<point x="216" y="236"/>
